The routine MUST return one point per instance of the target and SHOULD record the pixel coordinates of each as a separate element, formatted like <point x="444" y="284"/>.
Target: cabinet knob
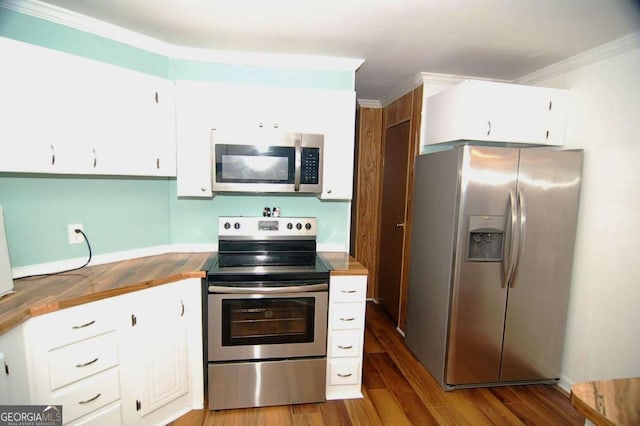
<point x="203" y="189"/>
<point x="53" y="155"/>
<point x="275" y="125"/>
<point x="328" y="191"/>
<point x="260" y="124"/>
<point x="158" y="163"/>
<point x="489" y="128"/>
<point x="95" y="158"/>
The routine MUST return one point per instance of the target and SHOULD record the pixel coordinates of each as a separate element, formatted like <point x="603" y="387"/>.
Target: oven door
<point x="271" y="325"/>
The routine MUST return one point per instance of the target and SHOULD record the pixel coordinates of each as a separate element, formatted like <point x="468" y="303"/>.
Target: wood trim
<point x="414" y="148"/>
<point x="366" y="203"/>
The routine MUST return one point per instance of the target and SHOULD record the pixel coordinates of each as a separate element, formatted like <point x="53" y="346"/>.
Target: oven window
<point x="267" y="321"/>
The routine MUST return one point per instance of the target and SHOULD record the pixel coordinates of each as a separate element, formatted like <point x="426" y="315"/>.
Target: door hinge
<point x="138" y="405"/>
<point x="134" y="320"/>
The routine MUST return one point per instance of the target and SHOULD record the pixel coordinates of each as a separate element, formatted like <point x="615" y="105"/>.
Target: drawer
<point x="347" y="316"/>
<point x="349" y="289"/>
<point x="78" y="360"/>
<point x="344" y="372"/>
<point x="345" y="343"/>
<point x="106" y="416"/>
<point x="88" y="395"/>
<point x="73" y="324"/>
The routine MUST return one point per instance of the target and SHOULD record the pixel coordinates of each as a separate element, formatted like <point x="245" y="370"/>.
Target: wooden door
<point x="394" y="184"/>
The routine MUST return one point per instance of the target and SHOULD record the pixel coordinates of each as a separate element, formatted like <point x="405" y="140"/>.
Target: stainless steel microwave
<point x="283" y="163"/>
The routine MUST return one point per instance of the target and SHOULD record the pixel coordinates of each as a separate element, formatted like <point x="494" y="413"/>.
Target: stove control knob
<point x="298" y="226"/>
<point x="227" y="225"/>
<point x="236" y="225"/>
<point x="289" y="225"/>
<point x="307" y="226"/>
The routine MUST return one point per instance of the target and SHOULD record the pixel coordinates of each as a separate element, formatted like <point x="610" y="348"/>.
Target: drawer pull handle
<point x="345" y="347"/>
<point x="345" y="375"/>
<point x="87" y="363"/>
<point x="349" y="291"/>
<point x="348" y="319"/>
<point x="77" y="327"/>
<point x="89" y="400"/>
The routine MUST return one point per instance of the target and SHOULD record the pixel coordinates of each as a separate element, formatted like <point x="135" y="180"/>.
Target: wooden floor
<point x="399" y="391"/>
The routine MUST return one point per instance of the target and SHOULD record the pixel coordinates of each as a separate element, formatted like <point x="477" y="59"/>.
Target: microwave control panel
<point x="310" y="166"/>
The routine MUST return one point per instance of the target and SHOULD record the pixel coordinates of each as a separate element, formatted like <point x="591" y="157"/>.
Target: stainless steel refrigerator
<point x="491" y="256"/>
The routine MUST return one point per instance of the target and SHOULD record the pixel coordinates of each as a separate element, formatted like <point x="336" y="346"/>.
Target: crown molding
<point x="94" y="26"/>
<point x="432" y="82"/>
<point x="369" y="103"/>
<point x="621" y="45"/>
<point x="265" y="59"/>
<point x="84" y="23"/>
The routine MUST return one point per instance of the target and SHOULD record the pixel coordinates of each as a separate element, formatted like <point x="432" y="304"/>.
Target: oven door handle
<point x="268" y="290"/>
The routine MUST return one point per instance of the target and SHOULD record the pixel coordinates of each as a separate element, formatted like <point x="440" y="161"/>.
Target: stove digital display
<point x="268" y="225"/>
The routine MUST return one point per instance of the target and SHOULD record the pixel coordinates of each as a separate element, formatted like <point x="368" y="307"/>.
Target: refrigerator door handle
<point x="522" y="213"/>
<point x="508" y="260"/>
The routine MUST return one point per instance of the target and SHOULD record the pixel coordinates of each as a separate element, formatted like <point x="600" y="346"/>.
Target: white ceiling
<point x="500" y="39"/>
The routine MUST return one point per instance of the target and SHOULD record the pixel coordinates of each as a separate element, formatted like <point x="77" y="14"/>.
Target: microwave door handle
<point x="298" y="165"/>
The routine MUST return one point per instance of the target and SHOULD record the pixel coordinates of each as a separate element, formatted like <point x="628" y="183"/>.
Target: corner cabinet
<point x="345" y="336"/>
<point x="131" y="359"/>
<point x="204" y="108"/>
<point x="68" y="114"/>
<point x="491" y="111"/>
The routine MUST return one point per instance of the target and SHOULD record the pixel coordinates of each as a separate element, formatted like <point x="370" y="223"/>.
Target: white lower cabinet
<point x="162" y="373"/>
<point x="345" y="336"/>
<point x="131" y="359"/>
<point x="14" y="379"/>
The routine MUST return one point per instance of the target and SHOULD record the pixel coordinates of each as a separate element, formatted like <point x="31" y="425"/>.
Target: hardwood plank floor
<point x="399" y="391"/>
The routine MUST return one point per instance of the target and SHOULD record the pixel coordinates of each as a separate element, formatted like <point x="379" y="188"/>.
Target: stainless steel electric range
<point x="266" y="314"/>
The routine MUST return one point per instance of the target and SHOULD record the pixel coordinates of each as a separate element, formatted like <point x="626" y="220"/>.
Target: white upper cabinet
<point x="67" y="114"/>
<point x="496" y="112"/>
<point x="204" y="108"/>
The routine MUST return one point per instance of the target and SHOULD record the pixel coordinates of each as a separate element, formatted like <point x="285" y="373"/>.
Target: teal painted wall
<point x="117" y="214"/>
<point x="196" y="221"/>
<point x="131" y="213"/>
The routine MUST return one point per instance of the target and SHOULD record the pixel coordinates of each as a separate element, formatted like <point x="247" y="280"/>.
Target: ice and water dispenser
<point x="486" y="238"/>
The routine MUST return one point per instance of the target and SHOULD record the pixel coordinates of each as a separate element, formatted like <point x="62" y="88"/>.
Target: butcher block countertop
<point x="41" y="295"/>
<point x="608" y="402"/>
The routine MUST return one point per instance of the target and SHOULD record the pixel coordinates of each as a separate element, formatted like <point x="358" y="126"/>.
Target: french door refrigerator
<point x="491" y="256"/>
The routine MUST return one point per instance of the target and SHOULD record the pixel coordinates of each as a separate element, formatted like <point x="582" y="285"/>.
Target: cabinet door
<point x="196" y="115"/>
<point x="495" y="112"/>
<point x="162" y="354"/>
<point x="38" y="111"/>
<point x="331" y="113"/>
<point x="14" y="380"/>
<point x="67" y="114"/>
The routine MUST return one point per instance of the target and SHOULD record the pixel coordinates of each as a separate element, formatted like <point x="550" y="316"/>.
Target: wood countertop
<point x="608" y="402"/>
<point x="343" y="264"/>
<point x="41" y="295"/>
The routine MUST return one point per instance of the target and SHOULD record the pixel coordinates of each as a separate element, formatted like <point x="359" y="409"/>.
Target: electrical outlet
<point x="75" y="237"/>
